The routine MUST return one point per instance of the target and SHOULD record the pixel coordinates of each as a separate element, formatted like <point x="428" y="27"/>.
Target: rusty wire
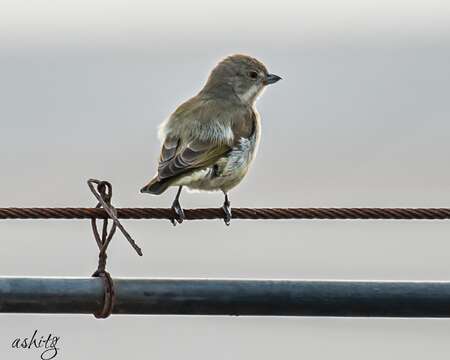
<point x="102" y="190"/>
<point x="238" y="213"/>
<point x="103" y="195"/>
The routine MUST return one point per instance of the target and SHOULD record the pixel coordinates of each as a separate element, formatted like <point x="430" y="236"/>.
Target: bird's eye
<point x="253" y="75"/>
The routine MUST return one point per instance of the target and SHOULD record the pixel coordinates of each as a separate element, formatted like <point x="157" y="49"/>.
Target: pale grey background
<point x="360" y="119"/>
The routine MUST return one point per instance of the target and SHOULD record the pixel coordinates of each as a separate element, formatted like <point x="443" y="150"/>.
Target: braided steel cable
<point x="237" y="213"/>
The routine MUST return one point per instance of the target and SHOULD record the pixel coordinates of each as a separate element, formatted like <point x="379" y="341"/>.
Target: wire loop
<point x="103" y="193"/>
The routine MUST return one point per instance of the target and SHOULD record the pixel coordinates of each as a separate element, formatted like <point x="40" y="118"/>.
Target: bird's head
<point x="246" y="76"/>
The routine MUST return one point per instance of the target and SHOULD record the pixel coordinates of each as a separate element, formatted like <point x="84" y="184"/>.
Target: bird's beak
<point x="271" y="79"/>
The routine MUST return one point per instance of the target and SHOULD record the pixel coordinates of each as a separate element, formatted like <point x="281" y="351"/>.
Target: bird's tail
<point x="156" y="186"/>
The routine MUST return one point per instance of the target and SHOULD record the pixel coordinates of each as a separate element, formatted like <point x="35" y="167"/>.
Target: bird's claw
<point x="227" y="212"/>
<point x="179" y="213"/>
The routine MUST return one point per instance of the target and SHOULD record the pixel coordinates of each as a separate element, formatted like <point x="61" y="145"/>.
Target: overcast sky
<point x="134" y="21"/>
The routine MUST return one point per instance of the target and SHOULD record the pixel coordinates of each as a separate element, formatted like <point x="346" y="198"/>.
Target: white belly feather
<point x="231" y="168"/>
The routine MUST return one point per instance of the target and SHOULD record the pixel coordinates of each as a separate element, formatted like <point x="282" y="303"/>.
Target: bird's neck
<point x="249" y="97"/>
<point x="219" y="91"/>
<point x="225" y="91"/>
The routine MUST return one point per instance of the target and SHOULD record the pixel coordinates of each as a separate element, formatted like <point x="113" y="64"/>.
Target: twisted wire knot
<point x="103" y="193"/>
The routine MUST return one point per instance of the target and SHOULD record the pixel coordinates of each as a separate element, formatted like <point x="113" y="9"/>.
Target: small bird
<point x="210" y="140"/>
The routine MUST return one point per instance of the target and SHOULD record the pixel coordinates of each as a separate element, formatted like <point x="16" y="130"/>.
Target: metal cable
<point x="237" y="213"/>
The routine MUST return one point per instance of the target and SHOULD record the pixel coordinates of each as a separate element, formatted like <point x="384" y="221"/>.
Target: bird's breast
<point x="240" y="156"/>
<point x="229" y="170"/>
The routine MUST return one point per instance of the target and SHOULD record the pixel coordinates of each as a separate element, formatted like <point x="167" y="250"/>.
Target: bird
<point x="210" y="140"/>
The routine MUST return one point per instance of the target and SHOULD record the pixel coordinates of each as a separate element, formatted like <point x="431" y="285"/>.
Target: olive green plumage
<point x="210" y="140"/>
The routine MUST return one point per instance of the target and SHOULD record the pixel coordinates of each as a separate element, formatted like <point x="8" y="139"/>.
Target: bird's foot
<point x="179" y="213"/>
<point x="227" y="212"/>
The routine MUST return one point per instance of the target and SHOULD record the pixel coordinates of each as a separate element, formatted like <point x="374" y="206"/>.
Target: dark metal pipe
<point x="228" y="297"/>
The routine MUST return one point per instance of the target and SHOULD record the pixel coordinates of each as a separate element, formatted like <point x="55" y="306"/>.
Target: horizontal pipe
<point x="228" y="297"/>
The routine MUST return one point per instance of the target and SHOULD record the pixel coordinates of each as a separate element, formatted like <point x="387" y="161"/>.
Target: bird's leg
<point x="227" y="210"/>
<point x="176" y="207"/>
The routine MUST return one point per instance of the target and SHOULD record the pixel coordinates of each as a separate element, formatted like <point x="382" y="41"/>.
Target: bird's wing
<point x="199" y="133"/>
<point x="178" y="158"/>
